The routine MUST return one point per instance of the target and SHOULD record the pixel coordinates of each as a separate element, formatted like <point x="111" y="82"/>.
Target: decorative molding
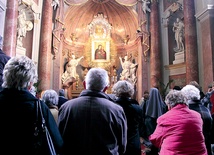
<point x="170" y="11"/>
<point x="204" y="14"/>
<point x="99" y="27"/>
<point x="176" y="69"/>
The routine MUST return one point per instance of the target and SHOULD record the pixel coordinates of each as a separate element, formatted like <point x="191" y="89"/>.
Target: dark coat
<point x="134" y="116"/>
<point x="196" y="105"/>
<point x="92" y="124"/>
<point x="17" y="115"/>
<point x="212" y="131"/>
<point x="61" y="101"/>
<point x="3" y="60"/>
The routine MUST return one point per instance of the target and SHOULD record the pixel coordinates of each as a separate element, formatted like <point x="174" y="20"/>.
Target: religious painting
<point x="100" y="51"/>
<point x="100" y="33"/>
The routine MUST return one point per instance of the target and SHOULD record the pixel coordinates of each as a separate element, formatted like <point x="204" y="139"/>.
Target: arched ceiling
<point x="122" y="18"/>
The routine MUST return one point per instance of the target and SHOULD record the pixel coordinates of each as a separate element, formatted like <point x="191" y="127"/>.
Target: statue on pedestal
<point x="24" y="25"/>
<point x="178" y="28"/>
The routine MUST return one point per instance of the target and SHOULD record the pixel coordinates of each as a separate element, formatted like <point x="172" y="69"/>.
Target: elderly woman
<point x="124" y="91"/>
<point x="179" y="131"/>
<point x="18" y="110"/>
<point x="193" y="96"/>
<point x="51" y="98"/>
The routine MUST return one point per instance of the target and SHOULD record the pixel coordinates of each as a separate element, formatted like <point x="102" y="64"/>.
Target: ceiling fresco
<point x="123" y="20"/>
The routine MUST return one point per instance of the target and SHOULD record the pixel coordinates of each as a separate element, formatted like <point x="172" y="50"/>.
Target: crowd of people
<point x="97" y="123"/>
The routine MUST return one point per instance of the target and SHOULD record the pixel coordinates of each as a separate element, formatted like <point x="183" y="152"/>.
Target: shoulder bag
<point x="43" y="144"/>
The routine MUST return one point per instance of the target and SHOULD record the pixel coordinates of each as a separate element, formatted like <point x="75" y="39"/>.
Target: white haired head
<point x="96" y="79"/>
<point x="191" y="92"/>
<point x="50" y="97"/>
<point x="19" y="72"/>
<point x="123" y="88"/>
<point x="175" y="97"/>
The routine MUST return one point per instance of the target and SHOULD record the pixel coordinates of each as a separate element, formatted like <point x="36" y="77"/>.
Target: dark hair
<point x="146" y="92"/>
<point x="177" y="88"/>
<point x="61" y="92"/>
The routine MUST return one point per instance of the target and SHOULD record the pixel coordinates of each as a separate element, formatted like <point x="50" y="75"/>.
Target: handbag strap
<point x="44" y="128"/>
<point x="41" y="113"/>
<point x="36" y="130"/>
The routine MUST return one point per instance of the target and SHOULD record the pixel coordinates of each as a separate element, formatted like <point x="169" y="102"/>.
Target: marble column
<point x="139" y="89"/>
<point x="143" y="38"/>
<point x="145" y="53"/>
<point x="10" y="30"/>
<point x="45" y="56"/>
<point x="155" y="55"/>
<point x="191" y="51"/>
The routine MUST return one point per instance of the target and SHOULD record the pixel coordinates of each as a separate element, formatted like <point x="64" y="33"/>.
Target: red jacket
<point x="179" y="132"/>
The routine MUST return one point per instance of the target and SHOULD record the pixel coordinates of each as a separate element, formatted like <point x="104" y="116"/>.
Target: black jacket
<point x="134" y="116"/>
<point x="17" y="115"/>
<point x="196" y="105"/>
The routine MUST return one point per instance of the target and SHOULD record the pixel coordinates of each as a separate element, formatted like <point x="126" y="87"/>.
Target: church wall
<point x="172" y="68"/>
<point x="204" y="16"/>
<point x="204" y="23"/>
<point x="179" y="80"/>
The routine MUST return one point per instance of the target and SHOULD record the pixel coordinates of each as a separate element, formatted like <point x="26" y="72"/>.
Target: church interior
<point x="167" y="42"/>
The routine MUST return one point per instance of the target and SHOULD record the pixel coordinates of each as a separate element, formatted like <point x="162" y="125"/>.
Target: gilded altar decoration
<point x="58" y="29"/>
<point x="100" y="31"/>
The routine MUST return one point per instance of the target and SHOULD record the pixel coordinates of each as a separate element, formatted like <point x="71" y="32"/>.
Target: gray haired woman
<point x="51" y="98"/>
<point x="179" y="131"/>
<point x="124" y="90"/>
<point x="18" y="110"/>
<point x="193" y="96"/>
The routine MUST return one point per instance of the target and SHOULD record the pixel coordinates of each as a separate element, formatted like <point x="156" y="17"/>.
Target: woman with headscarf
<point x="153" y="108"/>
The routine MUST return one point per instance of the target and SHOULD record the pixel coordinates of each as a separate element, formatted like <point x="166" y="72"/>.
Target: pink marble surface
<point x="10" y="28"/>
<point x="155" y="55"/>
<point x="45" y="57"/>
<point x="190" y="42"/>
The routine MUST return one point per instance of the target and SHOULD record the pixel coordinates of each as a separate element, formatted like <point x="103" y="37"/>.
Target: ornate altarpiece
<point x="100" y="35"/>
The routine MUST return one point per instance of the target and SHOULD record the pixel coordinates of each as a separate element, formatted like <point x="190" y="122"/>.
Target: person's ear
<point x="169" y="107"/>
<point x="30" y="85"/>
<point x="84" y="84"/>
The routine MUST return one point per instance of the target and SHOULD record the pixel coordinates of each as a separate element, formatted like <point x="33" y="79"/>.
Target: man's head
<point x="97" y="79"/>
